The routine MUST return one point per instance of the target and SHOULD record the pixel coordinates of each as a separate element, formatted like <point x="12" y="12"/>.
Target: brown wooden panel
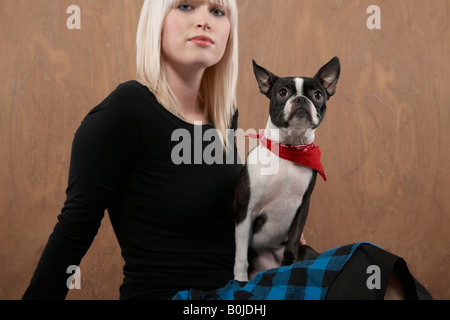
<point x="385" y="140"/>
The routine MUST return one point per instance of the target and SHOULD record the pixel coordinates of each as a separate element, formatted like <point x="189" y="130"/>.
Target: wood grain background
<point x="385" y="139"/>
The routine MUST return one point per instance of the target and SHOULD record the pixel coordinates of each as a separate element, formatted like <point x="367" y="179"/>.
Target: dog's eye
<point x="318" y="95"/>
<point x="283" y="93"/>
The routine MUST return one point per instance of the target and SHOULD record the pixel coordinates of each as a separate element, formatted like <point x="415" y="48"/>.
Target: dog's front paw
<point x="241" y="277"/>
<point x="240" y="269"/>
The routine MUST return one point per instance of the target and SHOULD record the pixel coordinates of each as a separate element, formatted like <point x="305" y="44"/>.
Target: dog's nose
<point x="301" y="100"/>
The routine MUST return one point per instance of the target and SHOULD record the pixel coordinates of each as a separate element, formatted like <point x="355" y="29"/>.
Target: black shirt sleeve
<point x="102" y="153"/>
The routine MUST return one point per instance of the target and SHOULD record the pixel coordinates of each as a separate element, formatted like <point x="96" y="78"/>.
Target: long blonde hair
<point x="218" y="87"/>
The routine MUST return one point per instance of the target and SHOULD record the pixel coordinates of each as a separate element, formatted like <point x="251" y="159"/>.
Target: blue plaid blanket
<point x="304" y="280"/>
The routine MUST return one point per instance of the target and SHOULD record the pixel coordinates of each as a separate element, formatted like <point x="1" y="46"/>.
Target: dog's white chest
<point x="277" y="188"/>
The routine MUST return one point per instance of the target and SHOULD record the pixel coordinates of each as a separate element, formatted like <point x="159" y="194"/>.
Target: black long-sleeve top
<point x="170" y="219"/>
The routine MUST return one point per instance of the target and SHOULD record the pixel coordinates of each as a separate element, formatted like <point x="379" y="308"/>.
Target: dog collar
<point x="306" y="155"/>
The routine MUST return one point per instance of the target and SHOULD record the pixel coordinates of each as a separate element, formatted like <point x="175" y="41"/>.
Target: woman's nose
<point x="204" y="26"/>
<point x="203" y="19"/>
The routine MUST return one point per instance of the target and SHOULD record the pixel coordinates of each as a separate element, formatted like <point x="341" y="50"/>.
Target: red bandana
<point x="308" y="156"/>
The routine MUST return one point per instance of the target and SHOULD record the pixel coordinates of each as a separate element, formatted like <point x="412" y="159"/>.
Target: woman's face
<point x="195" y="34"/>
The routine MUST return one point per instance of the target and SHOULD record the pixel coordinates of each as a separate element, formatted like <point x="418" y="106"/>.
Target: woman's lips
<point x="202" y="41"/>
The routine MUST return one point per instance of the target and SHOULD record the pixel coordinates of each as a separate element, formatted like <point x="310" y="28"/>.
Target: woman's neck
<point x="185" y="84"/>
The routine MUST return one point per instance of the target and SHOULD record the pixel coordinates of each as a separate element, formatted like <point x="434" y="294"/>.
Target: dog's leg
<point x="290" y="255"/>
<point x="243" y="225"/>
<point x="243" y="238"/>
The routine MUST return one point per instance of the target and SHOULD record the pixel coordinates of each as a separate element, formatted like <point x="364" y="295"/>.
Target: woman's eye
<point x="188" y="7"/>
<point x="218" y="12"/>
<point x="185" y="7"/>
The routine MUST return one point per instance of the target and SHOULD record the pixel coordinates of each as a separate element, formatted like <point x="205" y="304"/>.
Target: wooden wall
<point x="385" y="139"/>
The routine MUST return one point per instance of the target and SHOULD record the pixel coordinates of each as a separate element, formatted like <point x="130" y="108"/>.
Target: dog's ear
<point x="329" y="74"/>
<point x="265" y="78"/>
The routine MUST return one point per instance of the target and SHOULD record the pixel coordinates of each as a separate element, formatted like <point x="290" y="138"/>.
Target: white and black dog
<point x="271" y="199"/>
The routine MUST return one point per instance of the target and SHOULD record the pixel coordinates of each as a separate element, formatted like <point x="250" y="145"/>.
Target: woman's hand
<point x="302" y="241"/>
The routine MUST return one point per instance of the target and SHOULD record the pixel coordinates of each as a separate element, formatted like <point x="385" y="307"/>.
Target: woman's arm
<point x="102" y="154"/>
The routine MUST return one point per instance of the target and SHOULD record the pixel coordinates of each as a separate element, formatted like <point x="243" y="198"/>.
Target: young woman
<point x="155" y="154"/>
<point x="167" y="204"/>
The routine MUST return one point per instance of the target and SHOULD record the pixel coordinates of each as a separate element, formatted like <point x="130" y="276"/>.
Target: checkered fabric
<point x="304" y="280"/>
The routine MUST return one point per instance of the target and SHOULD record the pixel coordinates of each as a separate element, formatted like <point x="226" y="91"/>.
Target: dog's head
<point x="298" y="103"/>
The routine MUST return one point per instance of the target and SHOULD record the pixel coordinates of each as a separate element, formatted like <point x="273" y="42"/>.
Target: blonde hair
<point x="218" y="88"/>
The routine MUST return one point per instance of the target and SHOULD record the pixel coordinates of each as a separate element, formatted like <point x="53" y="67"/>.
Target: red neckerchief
<point x="308" y="156"/>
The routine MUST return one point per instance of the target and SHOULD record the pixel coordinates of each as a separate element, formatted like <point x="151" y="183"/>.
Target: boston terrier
<point x="271" y="198"/>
